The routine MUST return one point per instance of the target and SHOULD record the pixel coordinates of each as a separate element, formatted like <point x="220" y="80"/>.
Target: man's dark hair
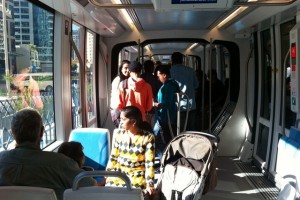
<point x="26" y="125"/>
<point x="163" y="69"/>
<point x="149" y="66"/>
<point x="177" y="58"/>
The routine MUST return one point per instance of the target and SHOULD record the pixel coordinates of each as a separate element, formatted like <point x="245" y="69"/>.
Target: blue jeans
<point x="162" y="137"/>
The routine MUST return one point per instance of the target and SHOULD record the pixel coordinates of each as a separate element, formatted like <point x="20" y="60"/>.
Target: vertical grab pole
<point x="283" y="88"/>
<point x="82" y="88"/>
<point x="209" y="65"/>
<point x="5" y="45"/>
<point x="187" y="111"/>
<point x="139" y="52"/>
<point x="178" y="113"/>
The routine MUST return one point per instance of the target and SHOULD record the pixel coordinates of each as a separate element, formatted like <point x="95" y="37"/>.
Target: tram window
<point x="75" y="78"/>
<point x="262" y="142"/>
<point x="290" y="116"/>
<point x="27" y="61"/>
<point x="90" y="77"/>
<point x="266" y="74"/>
<point x="128" y="53"/>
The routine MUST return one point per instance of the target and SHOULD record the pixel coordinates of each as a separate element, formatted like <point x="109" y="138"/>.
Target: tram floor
<point x="237" y="180"/>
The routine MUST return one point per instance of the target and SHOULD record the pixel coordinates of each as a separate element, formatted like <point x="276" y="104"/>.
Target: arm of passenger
<point x="168" y="98"/>
<point x="149" y="99"/>
<point x="112" y="164"/>
<point x="69" y="170"/>
<point x="114" y="95"/>
<point x="87" y="181"/>
<point x="36" y="96"/>
<point x="195" y="82"/>
<point x="164" y="105"/>
<point x="149" y="160"/>
<point x="121" y="102"/>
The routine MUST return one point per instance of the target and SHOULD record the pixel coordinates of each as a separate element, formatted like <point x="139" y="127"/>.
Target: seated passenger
<point x="28" y="165"/>
<point x="133" y="152"/>
<point x="74" y="150"/>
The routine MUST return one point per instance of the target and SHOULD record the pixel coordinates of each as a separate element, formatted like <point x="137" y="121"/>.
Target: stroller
<point x="187" y="167"/>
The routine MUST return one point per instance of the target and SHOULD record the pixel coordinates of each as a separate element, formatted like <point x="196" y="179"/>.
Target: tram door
<point x="273" y="46"/>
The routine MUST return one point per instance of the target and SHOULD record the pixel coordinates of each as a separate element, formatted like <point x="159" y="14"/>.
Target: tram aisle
<point x="234" y="184"/>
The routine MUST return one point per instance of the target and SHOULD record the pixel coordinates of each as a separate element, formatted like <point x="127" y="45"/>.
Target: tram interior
<point x="146" y="22"/>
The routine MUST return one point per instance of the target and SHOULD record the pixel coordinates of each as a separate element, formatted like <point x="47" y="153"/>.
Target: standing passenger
<point x="123" y="73"/>
<point x="133" y="152"/>
<point x="188" y="83"/>
<point x="28" y="165"/>
<point x="202" y="97"/>
<point x="28" y="88"/>
<point x="166" y="109"/>
<point x="218" y="93"/>
<point x="137" y="93"/>
<point x="151" y="78"/>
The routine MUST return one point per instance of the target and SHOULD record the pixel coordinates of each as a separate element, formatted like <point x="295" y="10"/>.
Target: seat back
<point x="103" y="193"/>
<point x="26" y="193"/>
<point x="96" y="145"/>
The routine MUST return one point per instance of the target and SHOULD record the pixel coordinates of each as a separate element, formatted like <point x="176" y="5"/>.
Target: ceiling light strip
<point x="265" y="3"/>
<point x="121" y="6"/>
<point x="240" y="11"/>
<point x="133" y="15"/>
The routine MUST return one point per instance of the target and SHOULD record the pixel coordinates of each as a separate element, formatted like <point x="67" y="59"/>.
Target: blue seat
<point x="294" y="134"/>
<point x="96" y="144"/>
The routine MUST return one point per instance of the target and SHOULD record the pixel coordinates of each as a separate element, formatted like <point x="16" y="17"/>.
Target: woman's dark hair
<point x="120" y="74"/>
<point x="133" y="113"/>
<point x="73" y="150"/>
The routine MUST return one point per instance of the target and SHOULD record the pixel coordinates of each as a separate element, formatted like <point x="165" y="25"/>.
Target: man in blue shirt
<point x="165" y="109"/>
<point x="28" y="165"/>
<point x="188" y="83"/>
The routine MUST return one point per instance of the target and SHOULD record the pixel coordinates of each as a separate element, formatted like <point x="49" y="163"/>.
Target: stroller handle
<point x="211" y="136"/>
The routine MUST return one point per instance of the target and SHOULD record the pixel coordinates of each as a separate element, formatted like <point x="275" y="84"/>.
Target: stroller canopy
<point x="188" y="145"/>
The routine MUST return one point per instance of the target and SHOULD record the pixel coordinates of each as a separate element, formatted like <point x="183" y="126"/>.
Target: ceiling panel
<point x="150" y="20"/>
<point x="175" y="20"/>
